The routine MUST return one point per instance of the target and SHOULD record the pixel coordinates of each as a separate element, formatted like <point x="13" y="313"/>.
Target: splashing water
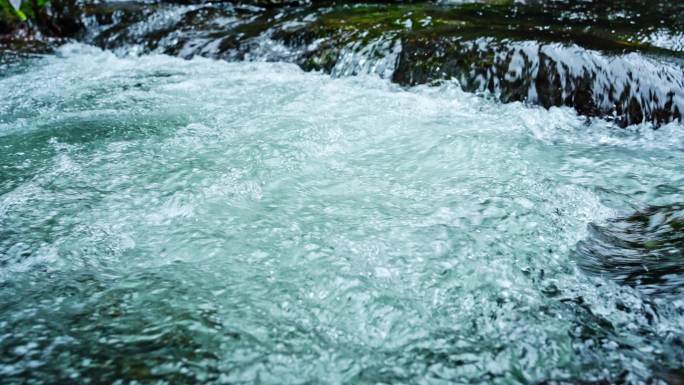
<point x="208" y="222"/>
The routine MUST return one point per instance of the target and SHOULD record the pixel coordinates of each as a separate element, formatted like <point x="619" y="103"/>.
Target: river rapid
<point x="196" y="221"/>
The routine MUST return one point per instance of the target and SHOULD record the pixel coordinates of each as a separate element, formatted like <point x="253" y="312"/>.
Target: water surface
<point x="173" y="221"/>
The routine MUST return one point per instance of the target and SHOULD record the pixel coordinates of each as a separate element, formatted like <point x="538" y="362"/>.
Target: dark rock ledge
<point x="620" y="62"/>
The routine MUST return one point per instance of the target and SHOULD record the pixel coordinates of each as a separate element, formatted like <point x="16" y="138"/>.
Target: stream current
<point x="196" y="221"/>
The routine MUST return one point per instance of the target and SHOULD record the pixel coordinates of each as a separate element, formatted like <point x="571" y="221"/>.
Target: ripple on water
<point x="206" y="222"/>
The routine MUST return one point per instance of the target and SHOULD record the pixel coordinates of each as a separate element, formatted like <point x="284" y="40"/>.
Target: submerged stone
<point x="645" y="250"/>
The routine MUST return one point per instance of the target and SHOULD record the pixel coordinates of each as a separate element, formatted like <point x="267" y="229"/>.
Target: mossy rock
<point x="520" y="53"/>
<point x="609" y="61"/>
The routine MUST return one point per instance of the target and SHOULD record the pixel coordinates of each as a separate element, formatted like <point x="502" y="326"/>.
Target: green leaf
<point x="16" y="4"/>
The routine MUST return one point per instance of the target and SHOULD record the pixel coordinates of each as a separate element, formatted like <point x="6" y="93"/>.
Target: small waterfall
<point x="624" y="87"/>
<point x="378" y="57"/>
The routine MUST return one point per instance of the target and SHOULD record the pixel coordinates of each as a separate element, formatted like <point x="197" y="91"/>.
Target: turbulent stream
<point x="180" y="221"/>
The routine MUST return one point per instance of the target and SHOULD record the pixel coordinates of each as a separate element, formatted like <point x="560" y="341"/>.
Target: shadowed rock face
<point x="645" y="250"/>
<point x="619" y="61"/>
<point x="629" y="89"/>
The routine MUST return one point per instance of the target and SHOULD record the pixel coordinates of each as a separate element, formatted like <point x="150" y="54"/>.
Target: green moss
<point x="651" y="244"/>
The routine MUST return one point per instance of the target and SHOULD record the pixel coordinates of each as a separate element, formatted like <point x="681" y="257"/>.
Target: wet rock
<point x="59" y="18"/>
<point x="549" y="57"/>
<point x="628" y="89"/>
<point x="20" y="44"/>
<point x="620" y="61"/>
<point x="672" y="377"/>
<point x="645" y="250"/>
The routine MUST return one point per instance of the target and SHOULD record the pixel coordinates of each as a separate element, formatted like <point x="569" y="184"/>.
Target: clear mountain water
<point x="171" y="221"/>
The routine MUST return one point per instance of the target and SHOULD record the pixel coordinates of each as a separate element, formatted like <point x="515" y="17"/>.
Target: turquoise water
<point x="172" y="221"/>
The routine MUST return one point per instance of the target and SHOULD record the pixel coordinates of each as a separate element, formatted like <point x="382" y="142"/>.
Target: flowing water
<point x="195" y="221"/>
